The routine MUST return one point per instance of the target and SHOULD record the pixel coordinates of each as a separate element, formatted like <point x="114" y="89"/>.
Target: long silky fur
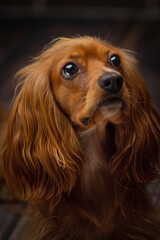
<point x="86" y="185"/>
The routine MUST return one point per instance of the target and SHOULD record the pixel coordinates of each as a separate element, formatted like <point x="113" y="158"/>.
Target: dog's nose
<point x="111" y="82"/>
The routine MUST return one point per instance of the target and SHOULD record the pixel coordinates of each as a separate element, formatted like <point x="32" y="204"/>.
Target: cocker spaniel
<point x="83" y="141"/>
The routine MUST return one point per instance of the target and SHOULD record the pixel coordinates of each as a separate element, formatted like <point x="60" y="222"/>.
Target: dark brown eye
<point x="69" y="71"/>
<point x="115" y="61"/>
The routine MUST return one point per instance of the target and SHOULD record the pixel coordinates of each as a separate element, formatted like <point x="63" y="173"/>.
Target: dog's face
<point x="89" y="83"/>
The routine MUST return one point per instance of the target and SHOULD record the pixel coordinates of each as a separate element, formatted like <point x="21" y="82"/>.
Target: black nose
<point x="111" y="82"/>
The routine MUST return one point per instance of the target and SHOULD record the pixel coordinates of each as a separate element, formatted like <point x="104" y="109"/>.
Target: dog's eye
<point x="69" y="71"/>
<point x="115" y="61"/>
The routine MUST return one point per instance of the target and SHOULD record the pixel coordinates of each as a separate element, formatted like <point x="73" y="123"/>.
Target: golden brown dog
<point x="83" y="140"/>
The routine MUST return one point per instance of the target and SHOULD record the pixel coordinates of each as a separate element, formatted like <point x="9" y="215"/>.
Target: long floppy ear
<point x="137" y="138"/>
<point x="42" y="156"/>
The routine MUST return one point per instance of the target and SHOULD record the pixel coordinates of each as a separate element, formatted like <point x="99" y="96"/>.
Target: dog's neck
<point x="92" y="142"/>
<point x="96" y="178"/>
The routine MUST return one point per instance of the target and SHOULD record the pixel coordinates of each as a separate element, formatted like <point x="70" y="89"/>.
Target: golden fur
<point x="83" y="165"/>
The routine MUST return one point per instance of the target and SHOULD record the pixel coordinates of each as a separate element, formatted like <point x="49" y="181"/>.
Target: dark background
<point x="27" y="25"/>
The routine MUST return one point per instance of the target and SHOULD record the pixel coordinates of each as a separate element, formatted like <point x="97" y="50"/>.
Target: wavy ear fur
<point x="137" y="138"/>
<point x="41" y="154"/>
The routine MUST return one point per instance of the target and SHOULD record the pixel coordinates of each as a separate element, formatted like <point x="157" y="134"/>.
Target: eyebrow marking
<point x="81" y="54"/>
<point x="76" y="55"/>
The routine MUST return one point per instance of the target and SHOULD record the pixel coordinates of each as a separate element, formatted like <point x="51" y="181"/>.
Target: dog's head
<point x="72" y="86"/>
<point x="90" y="81"/>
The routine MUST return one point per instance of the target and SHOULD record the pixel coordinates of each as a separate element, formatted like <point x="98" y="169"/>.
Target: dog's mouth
<point x="111" y="103"/>
<point x="106" y="109"/>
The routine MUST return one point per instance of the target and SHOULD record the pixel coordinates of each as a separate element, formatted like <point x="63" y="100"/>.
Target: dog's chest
<point x="88" y="210"/>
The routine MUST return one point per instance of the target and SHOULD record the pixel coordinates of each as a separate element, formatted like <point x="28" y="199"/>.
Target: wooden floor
<point x="20" y="40"/>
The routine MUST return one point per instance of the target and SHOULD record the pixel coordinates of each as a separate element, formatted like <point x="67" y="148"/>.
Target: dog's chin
<point x="110" y="109"/>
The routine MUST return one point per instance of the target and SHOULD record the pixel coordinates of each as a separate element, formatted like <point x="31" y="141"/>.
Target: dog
<point x="82" y="143"/>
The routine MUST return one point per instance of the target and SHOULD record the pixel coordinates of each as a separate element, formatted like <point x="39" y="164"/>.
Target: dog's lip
<point x="111" y="102"/>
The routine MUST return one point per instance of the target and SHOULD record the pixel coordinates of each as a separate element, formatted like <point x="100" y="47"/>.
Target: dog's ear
<point x="42" y="156"/>
<point x="137" y="138"/>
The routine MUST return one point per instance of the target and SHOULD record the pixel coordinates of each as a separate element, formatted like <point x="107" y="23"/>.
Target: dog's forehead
<point x="88" y="48"/>
<point x="85" y="47"/>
